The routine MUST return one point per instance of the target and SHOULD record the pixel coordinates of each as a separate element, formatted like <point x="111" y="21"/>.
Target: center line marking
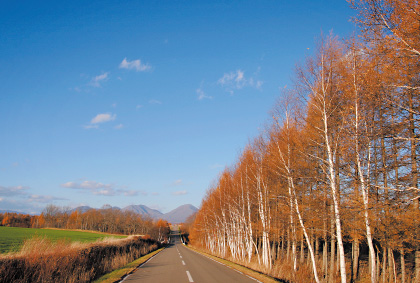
<point x="183" y="262"/>
<point x="189" y="276"/>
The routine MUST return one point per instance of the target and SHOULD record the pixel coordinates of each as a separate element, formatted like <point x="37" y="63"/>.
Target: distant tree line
<point x="330" y="191"/>
<point x="107" y="220"/>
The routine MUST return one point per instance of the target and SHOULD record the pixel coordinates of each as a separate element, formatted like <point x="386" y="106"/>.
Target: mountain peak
<point x="180" y="214"/>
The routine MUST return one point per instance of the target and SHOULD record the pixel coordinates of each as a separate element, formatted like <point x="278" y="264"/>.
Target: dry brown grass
<point x="43" y="260"/>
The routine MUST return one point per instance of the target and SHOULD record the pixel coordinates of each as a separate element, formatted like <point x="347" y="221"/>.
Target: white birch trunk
<point x="363" y="183"/>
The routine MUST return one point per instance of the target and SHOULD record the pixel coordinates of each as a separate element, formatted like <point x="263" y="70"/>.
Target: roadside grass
<point x="120" y="273"/>
<point x="12" y="238"/>
<point x="245" y="270"/>
<point x="43" y="260"/>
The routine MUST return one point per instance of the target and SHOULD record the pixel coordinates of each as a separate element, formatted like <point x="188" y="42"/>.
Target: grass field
<point x="12" y="238"/>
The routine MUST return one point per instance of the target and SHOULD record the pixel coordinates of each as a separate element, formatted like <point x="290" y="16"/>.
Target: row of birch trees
<point x="331" y="186"/>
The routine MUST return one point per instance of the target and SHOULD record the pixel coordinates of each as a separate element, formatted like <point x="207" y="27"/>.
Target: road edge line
<point x="231" y="267"/>
<point x="140" y="265"/>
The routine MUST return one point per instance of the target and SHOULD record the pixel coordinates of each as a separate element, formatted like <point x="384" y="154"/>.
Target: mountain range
<point x="177" y="215"/>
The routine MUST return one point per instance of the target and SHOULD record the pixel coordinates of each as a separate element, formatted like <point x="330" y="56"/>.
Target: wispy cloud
<point x="180" y="193"/>
<point x="98" y="188"/>
<point x="134" y="65"/>
<point x="138" y="106"/>
<point x="119" y="126"/>
<point x="19" y="198"/>
<point x="236" y="80"/>
<point x="215" y="166"/>
<point x="177" y="183"/>
<point x="154" y="101"/>
<point x="43" y="199"/>
<point x="98" y="80"/>
<point x="13" y="191"/>
<point x="202" y="95"/>
<point x="94" y="187"/>
<point x="130" y="193"/>
<point x="100" y="118"/>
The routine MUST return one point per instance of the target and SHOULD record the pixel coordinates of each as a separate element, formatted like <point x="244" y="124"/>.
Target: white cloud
<point x="13" y="191"/>
<point x="180" y="193"/>
<point x="90" y="126"/>
<point x="119" y="126"/>
<point x="96" y="81"/>
<point x="129" y="193"/>
<point x="154" y="101"/>
<point x="102" y="118"/>
<point x="104" y="192"/>
<point x="177" y="183"/>
<point x="134" y="65"/>
<point x="233" y="79"/>
<point x="94" y="187"/>
<point x="138" y="106"/>
<point x="216" y="165"/>
<point x="89" y="185"/>
<point x="98" y="188"/>
<point x="43" y="199"/>
<point x="202" y="95"/>
<point x="236" y="80"/>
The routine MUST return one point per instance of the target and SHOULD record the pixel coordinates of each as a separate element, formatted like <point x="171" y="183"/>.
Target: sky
<point x="141" y="102"/>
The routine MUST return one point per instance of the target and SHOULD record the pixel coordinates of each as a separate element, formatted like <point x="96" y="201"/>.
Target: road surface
<point x="177" y="263"/>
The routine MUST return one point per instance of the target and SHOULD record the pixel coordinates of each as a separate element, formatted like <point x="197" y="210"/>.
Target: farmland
<point x="12" y="238"/>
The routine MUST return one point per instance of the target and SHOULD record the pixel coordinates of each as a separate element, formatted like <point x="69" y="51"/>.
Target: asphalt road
<point x="177" y="263"/>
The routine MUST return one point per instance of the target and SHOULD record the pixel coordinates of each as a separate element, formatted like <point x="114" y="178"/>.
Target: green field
<point x="11" y="238"/>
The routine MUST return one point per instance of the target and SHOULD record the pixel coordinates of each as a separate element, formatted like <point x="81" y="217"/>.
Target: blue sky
<point x="141" y="102"/>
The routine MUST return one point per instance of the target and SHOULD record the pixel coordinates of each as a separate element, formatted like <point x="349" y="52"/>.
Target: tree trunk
<point x="417" y="263"/>
<point x="402" y="265"/>
<point x="325" y="247"/>
<point x="384" y="265"/>
<point x="332" y="257"/>
<point x="390" y="265"/>
<point x="302" y="250"/>
<point x="414" y="182"/>
<point x="378" y="265"/>
<point x="356" y="253"/>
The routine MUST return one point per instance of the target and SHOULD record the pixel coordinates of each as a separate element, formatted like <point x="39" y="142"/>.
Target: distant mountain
<point x="9" y="211"/>
<point x="81" y="209"/>
<point x="144" y="210"/>
<point x="180" y="214"/>
<point x="108" y="206"/>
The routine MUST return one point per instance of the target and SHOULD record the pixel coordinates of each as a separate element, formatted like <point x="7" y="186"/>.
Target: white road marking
<point x="140" y="266"/>
<point x="180" y="256"/>
<point x="189" y="276"/>
<point x="227" y="266"/>
<point x="183" y="262"/>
